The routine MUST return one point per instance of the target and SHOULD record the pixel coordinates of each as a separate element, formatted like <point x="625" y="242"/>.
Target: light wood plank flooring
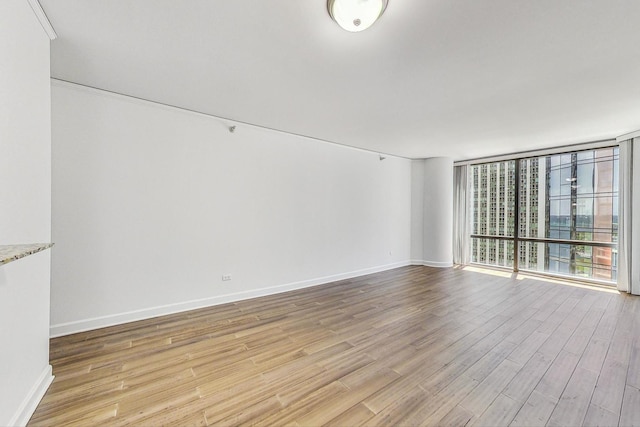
<point x="411" y="346"/>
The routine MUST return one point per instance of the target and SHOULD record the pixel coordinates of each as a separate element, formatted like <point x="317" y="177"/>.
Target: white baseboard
<point x="31" y="401"/>
<point x="146" y="313"/>
<point x="431" y="263"/>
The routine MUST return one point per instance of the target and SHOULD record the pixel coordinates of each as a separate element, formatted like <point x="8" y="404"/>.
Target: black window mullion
<point x="516" y="215"/>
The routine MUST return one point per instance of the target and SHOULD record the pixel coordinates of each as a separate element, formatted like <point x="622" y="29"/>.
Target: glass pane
<point x="585" y="155"/>
<point x="576" y="260"/>
<point x="493" y="198"/>
<point x="571" y="196"/>
<point x="492" y="252"/>
<point x="584" y="181"/>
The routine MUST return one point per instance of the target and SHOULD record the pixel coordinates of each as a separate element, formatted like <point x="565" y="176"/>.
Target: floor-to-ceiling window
<point x="493" y="213"/>
<point x="555" y="214"/>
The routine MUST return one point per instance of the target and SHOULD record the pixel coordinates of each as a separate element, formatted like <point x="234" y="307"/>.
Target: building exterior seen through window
<point x="564" y="207"/>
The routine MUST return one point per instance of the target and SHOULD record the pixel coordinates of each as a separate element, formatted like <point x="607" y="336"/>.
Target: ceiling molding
<point x="225" y="120"/>
<point x="592" y="145"/>
<point x="42" y="18"/>
<point x="626" y="136"/>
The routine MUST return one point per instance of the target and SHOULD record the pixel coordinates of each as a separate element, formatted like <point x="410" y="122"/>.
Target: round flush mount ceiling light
<point x="356" y="15"/>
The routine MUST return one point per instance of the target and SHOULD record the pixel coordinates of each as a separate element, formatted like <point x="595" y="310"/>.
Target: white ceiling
<point x="458" y="78"/>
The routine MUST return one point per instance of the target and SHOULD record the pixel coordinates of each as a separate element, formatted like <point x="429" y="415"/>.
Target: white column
<point x="417" y="210"/>
<point x="437" y="250"/>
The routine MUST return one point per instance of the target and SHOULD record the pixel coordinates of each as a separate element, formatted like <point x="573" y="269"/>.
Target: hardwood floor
<point x="411" y="346"/>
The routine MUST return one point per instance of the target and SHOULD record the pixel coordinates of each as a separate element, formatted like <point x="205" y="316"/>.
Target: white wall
<point x="25" y="210"/>
<point x="432" y="212"/>
<point x="152" y="205"/>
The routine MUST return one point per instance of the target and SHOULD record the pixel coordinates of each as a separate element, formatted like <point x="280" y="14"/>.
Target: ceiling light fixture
<point x="356" y="15"/>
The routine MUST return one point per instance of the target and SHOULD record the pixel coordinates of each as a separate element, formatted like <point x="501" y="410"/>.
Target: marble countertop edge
<point x="9" y="253"/>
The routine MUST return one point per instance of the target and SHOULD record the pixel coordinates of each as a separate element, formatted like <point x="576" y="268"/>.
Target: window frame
<point x="517" y="239"/>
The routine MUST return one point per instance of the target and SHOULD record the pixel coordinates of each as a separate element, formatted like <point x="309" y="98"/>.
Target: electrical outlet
<point x="226" y="277"/>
